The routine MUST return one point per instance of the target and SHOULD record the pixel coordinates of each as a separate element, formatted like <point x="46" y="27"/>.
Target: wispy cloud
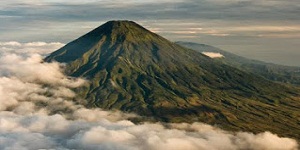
<point x="219" y="16"/>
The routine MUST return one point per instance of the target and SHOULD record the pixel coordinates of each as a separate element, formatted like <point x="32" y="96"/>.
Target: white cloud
<point x="38" y="113"/>
<point x="213" y="54"/>
<point x="41" y="48"/>
<point x="57" y="132"/>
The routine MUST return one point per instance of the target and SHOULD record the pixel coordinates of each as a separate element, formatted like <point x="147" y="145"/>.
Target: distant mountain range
<point x="274" y="72"/>
<point x="134" y="70"/>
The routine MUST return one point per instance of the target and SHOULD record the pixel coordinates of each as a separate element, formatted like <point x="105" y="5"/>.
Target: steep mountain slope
<point x="133" y="69"/>
<point x="279" y="73"/>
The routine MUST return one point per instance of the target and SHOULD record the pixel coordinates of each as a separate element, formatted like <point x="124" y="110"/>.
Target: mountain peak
<point x="122" y="30"/>
<point x="119" y="25"/>
<point x="120" y="22"/>
<point x="112" y="34"/>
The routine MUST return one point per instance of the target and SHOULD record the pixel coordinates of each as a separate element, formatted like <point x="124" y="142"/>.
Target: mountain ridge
<point x="144" y="73"/>
<point x="271" y="71"/>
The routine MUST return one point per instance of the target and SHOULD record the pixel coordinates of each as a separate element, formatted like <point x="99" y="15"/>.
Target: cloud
<point x="242" y="12"/>
<point x="213" y="55"/>
<point x="56" y="132"/>
<point x="24" y="80"/>
<point x="29" y="48"/>
<point x="38" y="113"/>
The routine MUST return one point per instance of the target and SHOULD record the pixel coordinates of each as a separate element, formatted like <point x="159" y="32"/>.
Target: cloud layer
<point x="215" y="15"/>
<point x="41" y="48"/>
<point x="46" y="132"/>
<point x="39" y="110"/>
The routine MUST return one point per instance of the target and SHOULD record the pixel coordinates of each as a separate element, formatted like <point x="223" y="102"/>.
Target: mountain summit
<point x="109" y="34"/>
<point x="135" y="70"/>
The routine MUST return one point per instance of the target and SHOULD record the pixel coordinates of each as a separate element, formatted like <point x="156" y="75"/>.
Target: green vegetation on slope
<point x="132" y="69"/>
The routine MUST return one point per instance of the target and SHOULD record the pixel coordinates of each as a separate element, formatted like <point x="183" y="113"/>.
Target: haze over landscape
<point x="82" y="75"/>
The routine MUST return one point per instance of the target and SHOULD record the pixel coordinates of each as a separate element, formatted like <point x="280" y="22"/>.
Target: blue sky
<point x="268" y="30"/>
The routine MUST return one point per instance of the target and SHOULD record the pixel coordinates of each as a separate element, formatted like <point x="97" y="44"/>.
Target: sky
<point x="267" y="30"/>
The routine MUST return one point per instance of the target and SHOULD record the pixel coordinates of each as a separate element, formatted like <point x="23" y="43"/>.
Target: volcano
<point x="129" y="68"/>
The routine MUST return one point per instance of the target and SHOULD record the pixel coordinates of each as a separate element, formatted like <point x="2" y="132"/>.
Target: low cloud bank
<point x="45" y="132"/>
<point x="38" y="111"/>
<point x="41" y="48"/>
